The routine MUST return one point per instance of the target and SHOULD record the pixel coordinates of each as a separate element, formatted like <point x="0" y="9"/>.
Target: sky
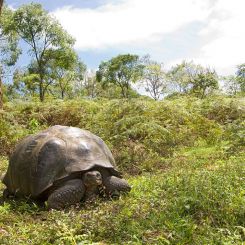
<point x="207" y="32"/>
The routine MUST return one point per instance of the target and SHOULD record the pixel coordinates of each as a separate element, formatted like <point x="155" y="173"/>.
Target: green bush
<point x="140" y="133"/>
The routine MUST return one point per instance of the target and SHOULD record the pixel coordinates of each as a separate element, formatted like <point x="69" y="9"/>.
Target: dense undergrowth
<point x="183" y="157"/>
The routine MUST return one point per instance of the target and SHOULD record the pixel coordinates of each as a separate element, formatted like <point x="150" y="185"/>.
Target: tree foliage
<point x="240" y="75"/>
<point x="204" y="82"/>
<point x="89" y="86"/>
<point x="9" y="51"/>
<point x="43" y="34"/>
<point x="122" y="70"/>
<point x="81" y="75"/>
<point x="181" y="75"/>
<point x="26" y="82"/>
<point x="188" y="77"/>
<point x="231" y="85"/>
<point x="56" y="71"/>
<point x="61" y="68"/>
<point x="154" y="79"/>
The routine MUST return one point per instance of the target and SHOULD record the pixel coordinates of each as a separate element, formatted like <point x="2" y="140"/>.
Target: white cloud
<point x="143" y="23"/>
<point x="225" y="35"/>
<point x="128" y="21"/>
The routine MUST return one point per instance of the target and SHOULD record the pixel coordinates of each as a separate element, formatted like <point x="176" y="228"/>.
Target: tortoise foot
<point x="71" y="192"/>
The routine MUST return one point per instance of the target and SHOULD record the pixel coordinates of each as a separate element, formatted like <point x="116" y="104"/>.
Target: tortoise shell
<point x="40" y="160"/>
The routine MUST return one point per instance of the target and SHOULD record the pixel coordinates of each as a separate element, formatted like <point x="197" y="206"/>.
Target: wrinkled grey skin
<point x="62" y="165"/>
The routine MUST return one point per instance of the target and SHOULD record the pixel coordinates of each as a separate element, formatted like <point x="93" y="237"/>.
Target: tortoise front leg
<point x="71" y="192"/>
<point x="114" y="185"/>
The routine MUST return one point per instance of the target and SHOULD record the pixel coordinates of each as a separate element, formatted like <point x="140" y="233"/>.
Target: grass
<point x="183" y="205"/>
<point x="194" y="193"/>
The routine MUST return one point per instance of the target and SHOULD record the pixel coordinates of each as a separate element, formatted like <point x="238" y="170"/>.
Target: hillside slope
<point x="183" y="157"/>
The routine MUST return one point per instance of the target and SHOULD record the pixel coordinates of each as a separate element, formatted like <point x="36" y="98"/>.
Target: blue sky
<point x="52" y="5"/>
<point x="209" y="32"/>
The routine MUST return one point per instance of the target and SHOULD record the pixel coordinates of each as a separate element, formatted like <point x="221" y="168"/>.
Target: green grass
<point x="188" y="181"/>
<point x="183" y="205"/>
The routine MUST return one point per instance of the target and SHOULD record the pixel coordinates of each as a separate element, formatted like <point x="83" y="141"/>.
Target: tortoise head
<point x="92" y="178"/>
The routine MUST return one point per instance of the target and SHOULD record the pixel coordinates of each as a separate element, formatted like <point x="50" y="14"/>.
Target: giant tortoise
<point x="62" y="165"/>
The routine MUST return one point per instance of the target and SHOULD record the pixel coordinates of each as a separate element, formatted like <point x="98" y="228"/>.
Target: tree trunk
<point x="41" y="91"/>
<point x="203" y="93"/>
<point x="1" y="93"/>
<point x="123" y="94"/>
<point x="1" y="4"/>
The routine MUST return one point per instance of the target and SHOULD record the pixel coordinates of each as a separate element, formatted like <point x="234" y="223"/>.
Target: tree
<point x="240" y="76"/>
<point x="181" y="76"/>
<point x="232" y="86"/>
<point x="43" y="34"/>
<point x="61" y="68"/>
<point x="91" y="87"/>
<point x="122" y="70"/>
<point x="8" y="46"/>
<point x="64" y="79"/>
<point x="25" y="82"/>
<point x="192" y="78"/>
<point x="1" y="4"/>
<point x="204" y="81"/>
<point x="80" y="76"/>
<point x="87" y="85"/>
<point x="154" y="78"/>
